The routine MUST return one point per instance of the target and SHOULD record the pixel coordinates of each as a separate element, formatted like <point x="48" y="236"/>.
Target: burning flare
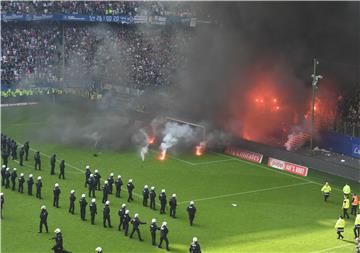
<point x="162" y="155"/>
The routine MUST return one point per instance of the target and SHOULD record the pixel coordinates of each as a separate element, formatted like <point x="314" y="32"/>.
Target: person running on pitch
<point x="340" y="227"/>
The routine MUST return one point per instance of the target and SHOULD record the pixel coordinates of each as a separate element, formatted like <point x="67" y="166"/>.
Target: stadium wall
<point x="345" y="171"/>
<point x="342" y="144"/>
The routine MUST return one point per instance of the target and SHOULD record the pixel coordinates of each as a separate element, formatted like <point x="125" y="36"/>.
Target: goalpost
<point x="201" y="128"/>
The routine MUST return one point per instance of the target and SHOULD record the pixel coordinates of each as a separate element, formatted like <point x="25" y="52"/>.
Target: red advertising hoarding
<point x="244" y="154"/>
<point x="289" y="167"/>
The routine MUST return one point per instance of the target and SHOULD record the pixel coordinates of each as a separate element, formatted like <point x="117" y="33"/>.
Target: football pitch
<point x="242" y="207"/>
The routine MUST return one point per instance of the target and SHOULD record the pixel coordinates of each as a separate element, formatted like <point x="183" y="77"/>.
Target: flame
<point x="151" y="140"/>
<point x="162" y="155"/>
<point x="199" y="150"/>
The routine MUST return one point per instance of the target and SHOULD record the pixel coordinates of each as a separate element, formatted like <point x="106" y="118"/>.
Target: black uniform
<point x="22" y="153"/>
<point x="21" y="181"/>
<point x="194" y="248"/>
<point x="5" y="157"/>
<point x="163" y="237"/>
<point x="14" y="147"/>
<point x="3" y="170"/>
<point x="30" y="183"/>
<point x="87" y="176"/>
<point x="106" y="216"/>
<point x="62" y="169"/>
<point x="43" y="220"/>
<point x="58" y="248"/>
<point x="13" y="179"/>
<point x="26" y="149"/>
<point x="72" y="199"/>
<point x="130" y="187"/>
<point x="136" y="223"/>
<point x="38" y="188"/>
<point x="83" y="204"/>
<point x="121" y="214"/>
<point x="110" y="184"/>
<point x="52" y="164"/>
<point x="173" y="204"/>
<point x="57" y="192"/>
<point x="97" y="177"/>
<point x="162" y="198"/>
<point x="153" y="228"/>
<point x="126" y="221"/>
<point x="93" y="212"/>
<point x="191" y="211"/>
<point x="145" y="196"/>
<point x="105" y="193"/>
<point x="91" y="183"/>
<point x="7" y="179"/>
<point x="152" y="199"/>
<point x="2" y="204"/>
<point x="118" y="184"/>
<point x="37" y="159"/>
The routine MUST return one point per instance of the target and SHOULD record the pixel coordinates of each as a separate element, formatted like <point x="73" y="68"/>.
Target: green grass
<point x="275" y="212"/>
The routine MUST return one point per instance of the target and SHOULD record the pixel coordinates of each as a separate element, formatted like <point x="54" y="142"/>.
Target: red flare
<point x="199" y="150"/>
<point x="151" y="140"/>
<point x="162" y="155"/>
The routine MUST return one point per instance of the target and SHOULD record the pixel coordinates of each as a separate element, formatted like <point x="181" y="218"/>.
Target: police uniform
<point x="14" y="150"/>
<point x="152" y="198"/>
<point x="2" y="203"/>
<point x="106" y="214"/>
<point x="21" y="181"/>
<point x="43" y="219"/>
<point x="52" y="164"/>
<point x="163" y="235"/>
<point x="91" y="184"/>
<point x="62" y="169"/>
<point x="126" y="221"/>
<point x="3" y="170"/>
<point x="173" y="204"/>
<point x="194" y="246"/>
<point x="111" y="182"/>
<point x="58" y="248"/>
<point x="326" y="189"/>
<point x="72" y="199"/>
<point x="22" y="153"/>
<point x="145" y="195"/>
<point x="5" y="157"/>
<point x="162" y="198"/>
<point x="121" y="214"/>
<point x="56" y="192"/>
<point x="130" y="187"/>
<point x="136" y="223"/>
<point x="83" y="204"/>
<point x="105" y="192"/>
<point x="118" y="184"/>
<point x="38" y="188"/>
<point x="7" y="178"/>
<point x="13" y="179"/>
<point x="87" y="175"/>
<point x="37" y="159"/>
<point x="30" y="183"/>
<point x="93" y="211"/>
<point x="191" y="211"/>
<point x="26" y="149"/>
<point x="97" y="180"/>
<point x="153" y="229"/>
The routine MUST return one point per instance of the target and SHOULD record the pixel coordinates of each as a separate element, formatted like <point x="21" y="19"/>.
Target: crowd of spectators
<point x="349" y="107"/>
<point x="131" y="8"/>
<point x="118" y="55"/>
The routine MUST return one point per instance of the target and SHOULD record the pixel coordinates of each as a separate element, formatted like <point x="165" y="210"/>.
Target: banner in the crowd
<point x="73" y="17"/>
<point x="356" y="150"/>
<point x="244" y="154"/>
<point x="289" y="167"/>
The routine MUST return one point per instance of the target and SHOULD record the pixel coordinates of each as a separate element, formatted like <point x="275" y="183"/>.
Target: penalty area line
<point x="246" y="192"/>
<point x="332" y="248"/>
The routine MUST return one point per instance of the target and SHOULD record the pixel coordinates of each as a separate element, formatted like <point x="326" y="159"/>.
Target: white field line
<point x="177" y="159"/>
<point x="76" y="168"/>
<point x="212" y="162"/>
<point x="246" y="192"/>
<point x="332" y="248"/>
<point x="277" y="171"/>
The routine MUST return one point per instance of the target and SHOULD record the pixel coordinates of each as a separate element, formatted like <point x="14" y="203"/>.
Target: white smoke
<point x="296" y="139"/>
<point x="174" y="132"/>
<point x="145" y="145"/>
